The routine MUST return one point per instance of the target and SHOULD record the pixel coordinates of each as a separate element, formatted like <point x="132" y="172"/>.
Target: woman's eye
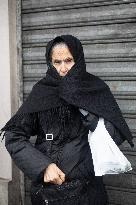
<point x="57" y="62"/>
<point x="69" y="60"/>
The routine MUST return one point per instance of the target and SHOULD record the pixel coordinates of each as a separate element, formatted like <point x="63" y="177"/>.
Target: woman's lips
<point x="64" y="73"/>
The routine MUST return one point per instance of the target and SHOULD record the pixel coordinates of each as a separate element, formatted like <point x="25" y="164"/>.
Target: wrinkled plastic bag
<point x="107" y="157"/>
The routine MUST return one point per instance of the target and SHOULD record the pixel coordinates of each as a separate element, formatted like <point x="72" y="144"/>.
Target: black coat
<point x="66" y="151"/>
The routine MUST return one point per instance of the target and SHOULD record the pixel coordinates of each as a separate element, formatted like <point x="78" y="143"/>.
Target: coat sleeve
<point x="114" y="133"/>
<point x="90" y="120"/>
<point x="28" y="159"/>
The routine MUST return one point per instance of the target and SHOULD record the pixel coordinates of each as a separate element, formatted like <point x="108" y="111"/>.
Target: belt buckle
<point x="49" y="136"/>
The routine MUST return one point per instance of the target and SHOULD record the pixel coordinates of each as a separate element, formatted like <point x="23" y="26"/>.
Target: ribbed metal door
<point x="107" y="30"/>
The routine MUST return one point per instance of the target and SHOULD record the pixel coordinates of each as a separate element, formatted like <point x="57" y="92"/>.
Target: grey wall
<point x="107" y="30"/>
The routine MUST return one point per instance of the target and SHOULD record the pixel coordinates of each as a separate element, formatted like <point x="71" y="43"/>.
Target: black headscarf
<point x="78" y="88"/>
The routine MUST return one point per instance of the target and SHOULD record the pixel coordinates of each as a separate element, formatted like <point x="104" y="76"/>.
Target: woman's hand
<point x="90" y="120"/>
<point x="53" y="174"/>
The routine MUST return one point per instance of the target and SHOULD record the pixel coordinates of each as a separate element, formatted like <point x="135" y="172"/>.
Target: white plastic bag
<point x="107" y="157"/>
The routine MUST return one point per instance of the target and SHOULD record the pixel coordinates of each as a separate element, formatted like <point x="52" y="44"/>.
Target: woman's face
<point x="62" y="59"/>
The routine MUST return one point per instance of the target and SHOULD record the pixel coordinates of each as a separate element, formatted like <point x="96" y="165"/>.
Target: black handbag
<point x="54" y="194"/>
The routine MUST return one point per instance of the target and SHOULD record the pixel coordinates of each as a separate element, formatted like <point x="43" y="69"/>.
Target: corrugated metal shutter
<point x="107" y="30"/>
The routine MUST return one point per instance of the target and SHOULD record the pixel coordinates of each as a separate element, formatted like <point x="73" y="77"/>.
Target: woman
<point x="60" y="162"/>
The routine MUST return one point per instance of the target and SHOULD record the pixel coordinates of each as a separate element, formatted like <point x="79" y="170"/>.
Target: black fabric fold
<point x="77" y="87"/>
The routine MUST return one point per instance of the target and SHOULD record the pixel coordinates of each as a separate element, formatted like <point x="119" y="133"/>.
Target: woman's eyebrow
<point x="69" y="58"/>
<point x="56" y="60"/>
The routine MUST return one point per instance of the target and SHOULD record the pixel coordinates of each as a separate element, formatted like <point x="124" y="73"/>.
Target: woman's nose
<point x="63" y="67"/>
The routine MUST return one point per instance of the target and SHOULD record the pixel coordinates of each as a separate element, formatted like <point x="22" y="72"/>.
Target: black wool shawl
<point x="77" y="87"/>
